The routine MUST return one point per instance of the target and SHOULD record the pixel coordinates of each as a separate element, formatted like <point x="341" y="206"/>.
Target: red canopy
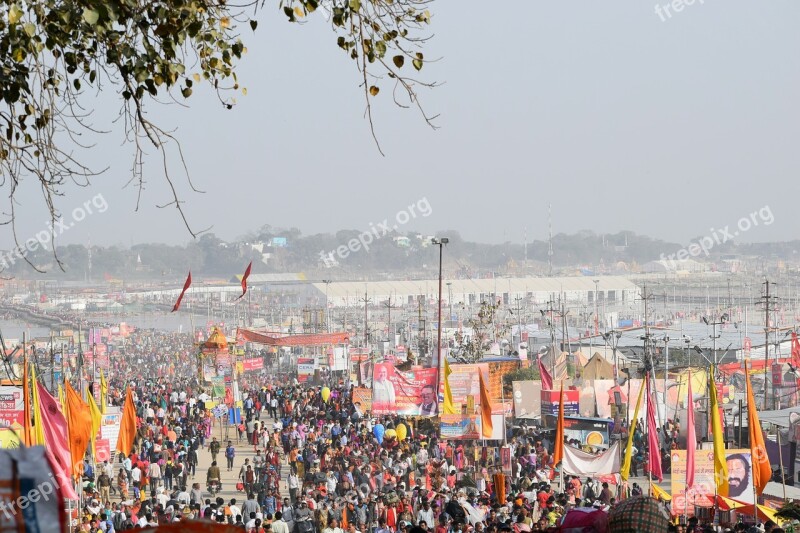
<point x="279" y="339"/>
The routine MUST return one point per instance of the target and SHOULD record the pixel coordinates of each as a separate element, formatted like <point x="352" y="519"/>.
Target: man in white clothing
<point x="383" y="389"/>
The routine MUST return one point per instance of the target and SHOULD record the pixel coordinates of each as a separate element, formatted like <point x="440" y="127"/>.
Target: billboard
<point x="550" y="405"/>
<point x="11" y="406"/>
<point x="404" y="393"/>
<point x="740" y="480"/>
<point x="253" y="364"/>
<point x="588" y="431"/>
<point x="464" y="382"/>
<point x="305" y="368"/>
<point x="362" y="398"/>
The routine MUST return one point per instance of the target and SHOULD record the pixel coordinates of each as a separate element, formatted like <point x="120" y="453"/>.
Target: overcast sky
<point x="619" y="119"/>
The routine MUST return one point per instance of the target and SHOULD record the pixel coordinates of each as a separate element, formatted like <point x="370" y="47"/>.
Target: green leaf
<point x="14" y="14"/>
<point x="289" y="12"/>
<point x="399" y="61"/>
<point x="417" y="64"/>
<point x="253" y="25"/>
<point x="30" y="29"/>
<point x="187" y="92"/>
<point x="90" y="16"/>
<point x="355" y="5"/>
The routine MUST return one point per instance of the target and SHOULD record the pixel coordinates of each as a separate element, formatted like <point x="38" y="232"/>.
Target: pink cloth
<point x="652" y="436"/>
<point x="691" y="438"/>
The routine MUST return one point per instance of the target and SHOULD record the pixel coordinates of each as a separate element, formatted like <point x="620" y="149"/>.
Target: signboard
<point x="11" y="406"/>
<point x="305" y="368"/>
<point x="588" y="431"/>
<point x="102" y="450"/>
<point x="404" y="393"/>
<point x="109" y="427"/>
<point x="362" y="396"/>
<point x="527" y="399"/>
<point x="777" y="375"/>
<point x="747" y="346"/>
<point x="253" y="364"/>
<point x="464" y="382"/>
<point x="550" y="405"/>
<point x="740" y="481"/>
<point x="459" y="427"/>
<point x="337" y="358"/>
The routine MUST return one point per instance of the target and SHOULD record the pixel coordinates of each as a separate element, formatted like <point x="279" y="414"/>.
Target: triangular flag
<point x="54" y="425"/>
<point x="626" y="464"/>
<point x="691" y="436"/>
<point x="654" y="451"/>
<point x="79" y="424"/>
<point x="720" y="461"/>
<point x="97" y="419"/>
<point x="185" y="288"/>
<point x="38" y="431"/>
<point x="27" y="428"/>
<point x="558" y="453"/>
<point x="127" y="429"/>
<point x="762" y="470"/>
<point x="449" y="408"/>
<point x="547" y="379"/>
<point x="486" y="409"/>
<point x="244" y="279"/>
<point x="103" y="392"/>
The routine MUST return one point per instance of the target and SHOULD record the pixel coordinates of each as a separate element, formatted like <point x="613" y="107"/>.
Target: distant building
<point x="674" y="265"/>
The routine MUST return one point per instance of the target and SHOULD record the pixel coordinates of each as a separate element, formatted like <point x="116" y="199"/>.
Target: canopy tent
<point x="279" y="339"/>
<point x="598" y="368"/>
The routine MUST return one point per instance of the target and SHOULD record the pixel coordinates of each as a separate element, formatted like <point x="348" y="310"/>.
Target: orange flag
<point x="762" y="470"/>
<point x="127" y="429"/>
<point x="486" y="410"/>
<point x="558" y="454"/>
<point x="79" y="423"/>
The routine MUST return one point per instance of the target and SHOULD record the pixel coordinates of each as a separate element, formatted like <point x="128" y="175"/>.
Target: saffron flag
<point x="38" y="432"/>
<point x="626" y="464"/>
<point x="720" y="461"/>
<point x="185" y="288"/>
<point x="127" y="429"/>
<point x="486" y="410"/>
<point x="103" y="393"/>
<point x="449" y="408"/>
<point x="97" y="418"/>
<point x="558" y="453"/>
<point x="244" y="279"/>
<point x="547" y="379"/>
<point x="691" y="436"/>
<point x="762" y="470"/>
<point x="654" y="451"/>
<point x="55" y="430"/>
<point x="79" y="425"/>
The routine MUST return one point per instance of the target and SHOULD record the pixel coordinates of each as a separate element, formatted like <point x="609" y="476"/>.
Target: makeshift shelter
<point x="551" y="360"/>
<point x="598" y="368"/>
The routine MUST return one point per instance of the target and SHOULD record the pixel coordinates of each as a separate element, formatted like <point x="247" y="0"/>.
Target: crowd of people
<point x="306" y="462"/>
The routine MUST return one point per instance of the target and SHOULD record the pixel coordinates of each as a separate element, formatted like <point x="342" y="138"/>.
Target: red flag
<point x="54" y="426"/>
<point x="653" y="445"/>
<point x="547" y="379"/>
<point x="795" y="349"/>
<point x="558" y="452"/>
<point x="244" y="279"/>
<point x="185" y="288"/>
<point x="691" y="437"/>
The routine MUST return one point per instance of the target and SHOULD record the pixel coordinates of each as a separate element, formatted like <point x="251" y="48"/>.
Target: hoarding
<point x="253" y="364"/>
<point x="588" y="431"/>
<point x="702" y="493"/>
<point x="305" y="368"/>
<point x="550" y="404"/>
<point x="362" y="398"/>
<point x="11" y="406"/>
<point x="404" y="393"/>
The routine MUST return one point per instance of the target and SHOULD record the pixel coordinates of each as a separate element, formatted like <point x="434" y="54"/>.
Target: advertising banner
<point x="109" y="428"/>
<point x="464" y="382"/>
<point x="550" y="405"/>
<point x="11" y="406"/>
<point x="740" y="481"/>
<point x="404" y="393"/>
<point x="592" y="432"/>
<point x="362" y="398"/>
<point x="253" y="364"/>
<point x="305" y="368"/>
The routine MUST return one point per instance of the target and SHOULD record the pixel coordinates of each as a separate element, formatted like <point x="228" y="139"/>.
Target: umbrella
<point x="579" y="518"/>
<point x="638" y="515"/>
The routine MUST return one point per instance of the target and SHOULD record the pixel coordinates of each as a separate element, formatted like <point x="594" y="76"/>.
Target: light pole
<point x="596" y="317"/>
<point x="450" y="301"/>
<point x="439" y="242"/>
<point x="327" y="305"/>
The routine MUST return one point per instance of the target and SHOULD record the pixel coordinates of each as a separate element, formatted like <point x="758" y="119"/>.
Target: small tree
<point x="485" y="331"/>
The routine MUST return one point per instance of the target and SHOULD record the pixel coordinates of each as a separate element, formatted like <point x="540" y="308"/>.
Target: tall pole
<point x="766" y="342"/>
<point x="439" y="360"/>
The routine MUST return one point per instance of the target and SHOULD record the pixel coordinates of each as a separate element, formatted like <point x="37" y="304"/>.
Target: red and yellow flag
<point x="486" y="410"/>
<point x="127" y="429"/>
<point x="558" y="454"/>
<point x="762" y="470"/>
<point x="79" y="424"/>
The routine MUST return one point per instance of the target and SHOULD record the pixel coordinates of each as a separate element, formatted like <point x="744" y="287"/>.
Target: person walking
<point x="230" y="453"/>
<point x="214" y="449"/>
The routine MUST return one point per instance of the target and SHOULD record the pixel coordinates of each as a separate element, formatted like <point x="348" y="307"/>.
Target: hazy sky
<point x="619" y="119"/>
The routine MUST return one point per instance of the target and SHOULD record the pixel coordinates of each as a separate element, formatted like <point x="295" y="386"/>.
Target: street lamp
<point x="327" y="305"/>
<point x="439" y="242"/>
<point x="450" y="301"/>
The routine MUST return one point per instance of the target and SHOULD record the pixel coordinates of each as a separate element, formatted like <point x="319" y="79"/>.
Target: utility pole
<point x="389" y="332"/>
<point x="548" y="314"/>
<point x="550" y="241"/>
<point x="767" y="302"/>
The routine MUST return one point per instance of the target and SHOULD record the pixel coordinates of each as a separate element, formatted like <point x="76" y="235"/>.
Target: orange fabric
<point x="558" y="454"/>
<point x="500" y="488"/>
<point x="127" y="429"/>
<point x="79" y="423"/>
<point x="762" y="470"/>
<point x="486" y="410"/>
<point x="27" y="429"/>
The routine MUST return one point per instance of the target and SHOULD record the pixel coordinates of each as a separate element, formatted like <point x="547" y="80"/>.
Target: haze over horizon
<point x="619" y="119"/>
